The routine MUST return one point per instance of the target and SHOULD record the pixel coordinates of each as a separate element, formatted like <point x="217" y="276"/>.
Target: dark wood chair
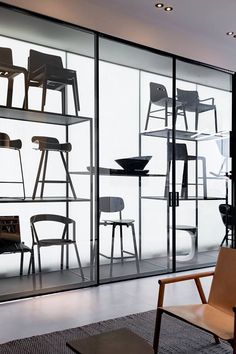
<point x="191" y="103"/>
<point x="46" y="71"/>
<point x="9" y="72"/>
<point x="116" y="205"/>
<point x="217" y="315"/>
<point x="46" y="144"/>
<point x="62" y="241"/>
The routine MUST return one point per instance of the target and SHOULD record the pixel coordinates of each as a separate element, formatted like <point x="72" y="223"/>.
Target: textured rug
<point x="176" y="337"/>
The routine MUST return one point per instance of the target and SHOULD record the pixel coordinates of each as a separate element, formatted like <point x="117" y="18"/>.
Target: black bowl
<point x="134" y="163"/>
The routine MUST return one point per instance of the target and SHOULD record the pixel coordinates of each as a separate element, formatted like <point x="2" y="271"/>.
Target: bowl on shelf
<point x="134" y="163"/>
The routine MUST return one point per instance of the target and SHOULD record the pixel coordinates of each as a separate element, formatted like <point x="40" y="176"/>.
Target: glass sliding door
<point x="203" y="122"/>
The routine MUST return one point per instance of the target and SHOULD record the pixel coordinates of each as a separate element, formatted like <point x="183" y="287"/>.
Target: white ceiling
<point x="195" y="29"/>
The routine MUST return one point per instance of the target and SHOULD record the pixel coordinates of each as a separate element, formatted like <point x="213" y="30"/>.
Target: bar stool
<point x="114" y="205"/>
<point x="192" y="232"/>
<point x="6" y="143"/>
<point x="46" y="144"/>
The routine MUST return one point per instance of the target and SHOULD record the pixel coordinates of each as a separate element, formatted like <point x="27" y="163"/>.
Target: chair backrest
<point x="6" y="56"/>
<point x="51" y="217"/>
<point x="157" y="92"/>
<point x="111" y="204"/>
<point x="181" y="152"/>
<point x="37" y="59"/>
<point x="223" y="288"/>
<point x="228" y="215"/>
<point x="189" y="98"/>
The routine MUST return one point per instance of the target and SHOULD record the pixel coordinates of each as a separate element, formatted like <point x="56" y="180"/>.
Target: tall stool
<point x="114" y="205"/>
<point x="47" y="144"/>
<point x="192" y="231"/>
<point x="6" y="143"/>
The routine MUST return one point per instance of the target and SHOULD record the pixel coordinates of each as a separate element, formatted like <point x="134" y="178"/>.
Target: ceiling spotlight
<point x="230" y="33"/>
<point x="168" y="8"/>
<point x="159" y="5"/>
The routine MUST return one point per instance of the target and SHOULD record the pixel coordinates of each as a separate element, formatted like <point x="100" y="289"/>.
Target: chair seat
<point x="54" y="242"/>
<point x="200" y="107"/>
<point x="162" y="102"/>
<point x="206" y="317"/>
<point x="117" y="222"/>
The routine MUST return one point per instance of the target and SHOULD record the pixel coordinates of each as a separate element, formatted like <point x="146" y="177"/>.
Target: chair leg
<point x="25" y="102"/>
<point x="184" y="188"/>
<point x="148" y="116"/>
<point x="67" y="256"/>
<point x="44" y="174"/>
<point x="21" y="262"/>
<point x="196" y="119"/>
<point x="63" y="100"/>
<point x="39" y="259"/>
<point x="167" y="179"/>
<point x="22" y="175"/>
<point x="44" y="91"/>
<point x="76" y="95"/>
<point x="166" y="114"/>
<point x="121" y="244"/>
<point x="31" y="262"/>
<point x="216" y="338"/>
<point x="38" y="174"/>
<point x="112" y="249"/>
<point x="204" y="178"/>
<point x="157" y="330"/>
<point x="185" y="119"/>
<point x="215" y="115"/>
<point x="135" y="249"/>
<point x="62" y="257"/>
<point x="79" y="262"/>
<point x="68" y="175"/>
<point x="9" y="92"/>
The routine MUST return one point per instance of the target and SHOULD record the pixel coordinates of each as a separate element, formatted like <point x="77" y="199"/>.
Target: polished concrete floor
<point x="43" y="314"/>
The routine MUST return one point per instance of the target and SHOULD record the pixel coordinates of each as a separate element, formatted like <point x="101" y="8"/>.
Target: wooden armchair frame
<point x="217" y="304"/>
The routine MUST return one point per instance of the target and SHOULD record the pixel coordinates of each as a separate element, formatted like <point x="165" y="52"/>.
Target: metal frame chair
<point x="46" y="71"/>
<point x="116" y="205"/>
<point x="63" y="241"/>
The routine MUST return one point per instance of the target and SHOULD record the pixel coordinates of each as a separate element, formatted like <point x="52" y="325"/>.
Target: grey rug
<point x="176" y="337"/>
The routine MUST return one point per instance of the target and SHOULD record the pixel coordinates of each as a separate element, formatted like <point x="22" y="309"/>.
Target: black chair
<point x="116" y="205"/>
<point x="62" y="241"/>
<point x="46" y="71"/>
<point x="228" y="215"/>
<point x="6" y="143"/>
<point x="191" y="103"/>
<point x="9" y="72"/>
<point x="181" y="154"/>
<point x="10" y="240"/>
<point x="159" y="97"/>
<point x="46" y="144"/>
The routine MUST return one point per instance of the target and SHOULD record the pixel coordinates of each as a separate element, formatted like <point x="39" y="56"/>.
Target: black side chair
<point x="46" y="71"/>
<point x="181" y="154"/>
<point x="228" y="215"/>
<point x="62" y="241"/>
<point x="9" y="72"/>
<point x="6" y="143"/>
<point x="10" y="240"/>
<point x="46" y="144"/>
<point x="191" y="103"/>
<point x="159" y="97"/>
<point x="116" y="205"/>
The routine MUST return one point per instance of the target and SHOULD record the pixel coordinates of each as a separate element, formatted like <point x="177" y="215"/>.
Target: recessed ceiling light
<point x="159" y="5"/>
<point x="230" y="33"/>
<point x="168" y="8"/>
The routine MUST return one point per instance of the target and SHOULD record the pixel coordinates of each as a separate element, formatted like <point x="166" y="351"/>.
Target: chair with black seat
<point x="46" y="71"/>
<point x="62" y="241"/>
<point x="9" y="72"/>
<point x="191" y="103"/>
<point x="6" y="143"/>
<point x="228" y="216"/>
<point x="46" y="144"/>
<point x="159" y="97"/>
<point x="10" y="240"/>
<point x="181" y="154"/>
<point x="116" y="205"/>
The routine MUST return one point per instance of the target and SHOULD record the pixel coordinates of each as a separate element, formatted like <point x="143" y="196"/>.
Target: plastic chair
<point x="181" y="154"/>
<point x="62" y="241"/>
<point x="159" y="97"/>
<point x="46" y="144"/>
<point x="46" y="71"/>
<point x="228" y="216"/>
<point x="191" y="103"/>
<point x="6" y="143"/>
<point x="9" y="72"/>
<point x="116" y="205"/>
<point x="216" y="316"/>
<point x="10" y="240"/>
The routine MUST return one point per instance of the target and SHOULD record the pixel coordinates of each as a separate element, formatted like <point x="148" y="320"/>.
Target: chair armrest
<point x="208" y="99"/>
<point x="196" y="277"/>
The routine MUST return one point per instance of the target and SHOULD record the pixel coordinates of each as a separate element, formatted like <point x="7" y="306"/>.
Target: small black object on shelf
<point x="134" y="163"/>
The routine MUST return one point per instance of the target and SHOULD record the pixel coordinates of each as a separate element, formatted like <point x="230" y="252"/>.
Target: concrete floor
<point x="43" y="314"/>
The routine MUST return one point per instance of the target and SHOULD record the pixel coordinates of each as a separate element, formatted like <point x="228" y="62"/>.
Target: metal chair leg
<point x="76" y="95"/>
<point x="121" y="244"/>
<point x="44" y="174"/>
<point x="38" y="174"/>
<point x="112" y="250"/>
<point x="21" y="262"/>
<point x="135" y="249"/>
<point x="68" y="175"/>
<point x="9" y="92"/>
<point x="44" y="91"/>
<point x="62" y="257"/>
<point x="215" y="115"/>
<point x="22" y="175"/>
<point x="39" y="259"/>
<point x="79" y="262"/>
<point x="148" y="115"/>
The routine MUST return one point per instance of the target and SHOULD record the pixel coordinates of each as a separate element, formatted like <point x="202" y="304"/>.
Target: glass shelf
<point x="117" y="172"/>
<point x="183" y="134"/>
<point x="183" y="199"/>
<point x="40" y="117"/>
<point x="41" y="200"/>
